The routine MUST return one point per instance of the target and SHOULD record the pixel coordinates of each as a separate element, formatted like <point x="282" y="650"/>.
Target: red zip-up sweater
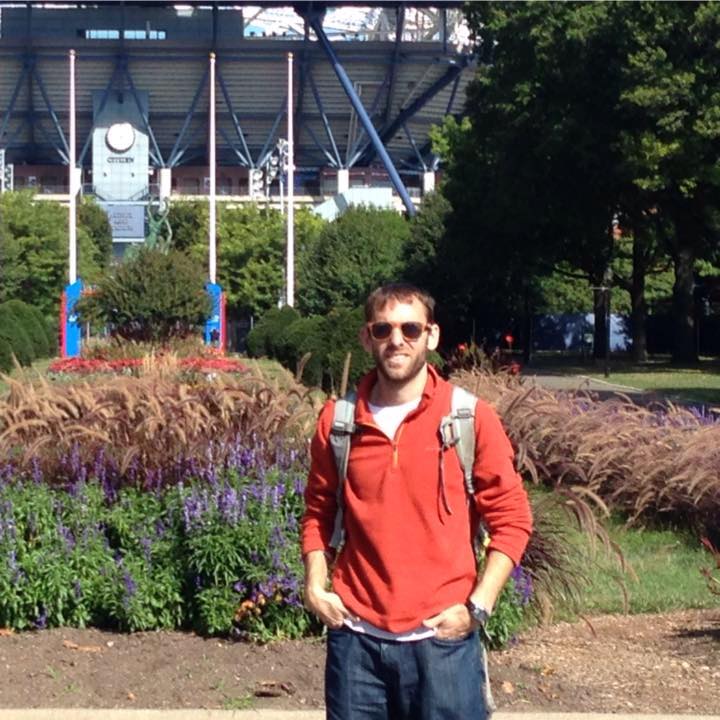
<point x="408" y="551"/>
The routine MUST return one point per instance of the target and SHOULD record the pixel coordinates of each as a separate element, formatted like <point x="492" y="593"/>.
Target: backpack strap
<point x="343" y="427"/>
<point x="458" y="430"/>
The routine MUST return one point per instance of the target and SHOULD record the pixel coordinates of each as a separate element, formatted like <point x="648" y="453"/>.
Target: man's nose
<point x="396" y="336"/>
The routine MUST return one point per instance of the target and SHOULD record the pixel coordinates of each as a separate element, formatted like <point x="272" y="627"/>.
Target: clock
<point x="120" y="137"/>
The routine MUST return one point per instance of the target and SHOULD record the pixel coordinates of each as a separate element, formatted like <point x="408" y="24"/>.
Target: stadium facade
<point x="369" y="81"/>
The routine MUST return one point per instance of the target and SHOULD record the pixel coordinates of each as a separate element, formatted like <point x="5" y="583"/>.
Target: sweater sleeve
<point x="321" y="490"/>
<point x="500" y="497"/>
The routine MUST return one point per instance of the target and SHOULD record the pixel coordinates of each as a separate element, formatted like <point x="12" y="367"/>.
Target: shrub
<point x="34" y="328"/>
<point x="343" y="338"/>
<point x="267" y="335"/>
<point x="320" y="343"/>
<point x="221" y="555"/>
<point x="302" y="337"/>
<point x="50" y="326"/>
<point x="6" y="361"/>
<point x="153" y="296"/>
<point x="15" y="337"/>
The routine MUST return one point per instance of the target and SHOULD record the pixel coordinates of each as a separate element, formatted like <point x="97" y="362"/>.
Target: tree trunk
<point x="684" y="346"/>
<point x="600" y="311"/>
<point x="638" y="313"/>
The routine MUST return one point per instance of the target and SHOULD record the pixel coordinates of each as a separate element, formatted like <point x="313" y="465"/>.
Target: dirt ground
<point x="647" y="663"/>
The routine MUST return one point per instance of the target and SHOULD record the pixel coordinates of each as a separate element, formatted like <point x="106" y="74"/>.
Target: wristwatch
<point x="477" y="612"/>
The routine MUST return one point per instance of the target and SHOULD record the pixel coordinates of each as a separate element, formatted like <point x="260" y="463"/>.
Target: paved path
<point x="103" y="714"/>
<point x="553" y="381"/>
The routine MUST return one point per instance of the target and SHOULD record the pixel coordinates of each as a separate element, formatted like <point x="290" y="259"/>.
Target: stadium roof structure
<point x="370" y="80"/>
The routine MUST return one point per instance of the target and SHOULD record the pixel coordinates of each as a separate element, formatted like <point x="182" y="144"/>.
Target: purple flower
<point x="41" y="620"/>
<point x="523" y="583"/>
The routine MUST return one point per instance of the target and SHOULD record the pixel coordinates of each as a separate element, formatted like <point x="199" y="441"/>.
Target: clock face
<point x="120" y="137"/>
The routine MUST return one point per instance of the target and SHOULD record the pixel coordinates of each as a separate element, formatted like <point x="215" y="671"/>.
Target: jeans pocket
<point x="445" y="642"/>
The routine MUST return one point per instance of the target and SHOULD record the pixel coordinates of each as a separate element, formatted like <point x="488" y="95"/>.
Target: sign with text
<point x="127" y="221"/>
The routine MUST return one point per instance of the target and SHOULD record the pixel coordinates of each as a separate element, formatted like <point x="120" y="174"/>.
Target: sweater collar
<point x="368" y="381"/>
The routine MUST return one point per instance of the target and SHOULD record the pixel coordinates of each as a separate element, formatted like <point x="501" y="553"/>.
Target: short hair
<point x="400" y="292"/>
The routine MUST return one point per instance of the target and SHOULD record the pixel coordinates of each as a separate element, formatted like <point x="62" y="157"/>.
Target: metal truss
<point x="377" y="123"/>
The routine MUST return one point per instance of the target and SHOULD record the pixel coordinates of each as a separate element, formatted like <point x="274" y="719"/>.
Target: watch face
<point x="120" y="137"/>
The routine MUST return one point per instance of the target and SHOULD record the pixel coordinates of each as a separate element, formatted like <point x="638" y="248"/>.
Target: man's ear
<point x="365" y="341"/>
<point x="433" y="336"/>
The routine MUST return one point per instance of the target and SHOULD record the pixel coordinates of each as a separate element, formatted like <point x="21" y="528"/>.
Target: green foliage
<point x="358" y="251"/>
<point x="250" y="246"/>
<point x="267" y="335"/>
<point x="148" y="588"/>
<point x="34" y="251"/>
<point x="189" y="223"/>
<point x="305" y="336"/>
<point x="93" y="220"/>
<point x="507" y="617"/>
<point x="33" y="326"/>
<point x="344" y="337"/>
<point x="543" y="168"/>
<point x="53" y="556"/>
<point x="427" y="230"/>
<point x="221" y="557"/>
<point x="153" y="296"/>
<point x="6" y="361"/>
<point x="50" y="326"/>
<point x="224" y="546"/>
<point x="320" y="342"/>
<point x="14" y="337"/>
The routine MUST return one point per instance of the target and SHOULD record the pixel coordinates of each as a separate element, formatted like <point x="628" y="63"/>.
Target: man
<point x="406" y="599"/>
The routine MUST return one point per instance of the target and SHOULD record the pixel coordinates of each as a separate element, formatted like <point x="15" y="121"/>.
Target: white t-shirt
<point x="388" y="419"/>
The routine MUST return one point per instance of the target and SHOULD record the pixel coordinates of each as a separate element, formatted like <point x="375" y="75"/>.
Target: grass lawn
<point x="697" y="384"/>
<point x="663" y="572"/>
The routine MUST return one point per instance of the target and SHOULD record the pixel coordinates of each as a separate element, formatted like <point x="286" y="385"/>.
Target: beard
<point x="399" y="374"/>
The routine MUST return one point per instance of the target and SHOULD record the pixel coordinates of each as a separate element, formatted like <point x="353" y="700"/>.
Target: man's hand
<point x="328" y="607"/>
<point x="452" y="623"/>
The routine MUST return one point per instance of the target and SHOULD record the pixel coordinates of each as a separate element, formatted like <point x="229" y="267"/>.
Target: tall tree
<point x="672" y="140"/>
<point x="34" y="251"/>
<point x="357" y="251"/>
<point x="582" y="118"/>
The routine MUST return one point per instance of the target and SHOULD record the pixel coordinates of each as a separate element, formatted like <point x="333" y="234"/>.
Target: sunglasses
<point x="411" y="331"/>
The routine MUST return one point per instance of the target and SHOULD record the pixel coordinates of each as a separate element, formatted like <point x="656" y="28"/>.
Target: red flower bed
<point x="85" y="366"/>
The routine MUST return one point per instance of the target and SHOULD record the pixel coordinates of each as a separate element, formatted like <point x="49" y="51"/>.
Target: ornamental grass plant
<point x="148" y="431"/>
<point x="660" y="462"/>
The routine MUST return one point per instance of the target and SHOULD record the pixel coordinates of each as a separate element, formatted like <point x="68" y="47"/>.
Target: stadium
<point x="369" y="80"/>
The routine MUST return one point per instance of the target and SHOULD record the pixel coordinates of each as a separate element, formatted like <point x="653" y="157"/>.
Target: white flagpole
<point x="290" y="268"/>
<point x="212" y="161"/>
<point x="73" y="190"/>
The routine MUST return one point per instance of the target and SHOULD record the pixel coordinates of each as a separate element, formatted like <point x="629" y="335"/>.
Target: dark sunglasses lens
<point x="381" y="330"/>
<point x="412" y="330"/>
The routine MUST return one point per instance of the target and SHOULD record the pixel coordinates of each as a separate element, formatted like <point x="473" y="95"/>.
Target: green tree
<point x="589" y="114"/>
<point x="251" y="247"/>
<point x="359" y="250"/>
<point x="672" y="139"/>
<point x="189" y="223"/>
<point x="34" y="251"/>
<point x="93" y="220"/>
<point x="152" y="296"/>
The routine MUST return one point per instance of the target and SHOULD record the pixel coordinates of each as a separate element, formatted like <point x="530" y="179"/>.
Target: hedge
<point x="33" y="326"/>
<point x="14" y="336"/>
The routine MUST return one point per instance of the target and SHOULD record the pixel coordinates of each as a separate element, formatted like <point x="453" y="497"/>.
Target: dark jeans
<point x="371" y="679"/>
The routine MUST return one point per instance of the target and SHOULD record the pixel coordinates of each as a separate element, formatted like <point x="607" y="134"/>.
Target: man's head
<point x="398" y="292"/>
<point x="399" y="331"/>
